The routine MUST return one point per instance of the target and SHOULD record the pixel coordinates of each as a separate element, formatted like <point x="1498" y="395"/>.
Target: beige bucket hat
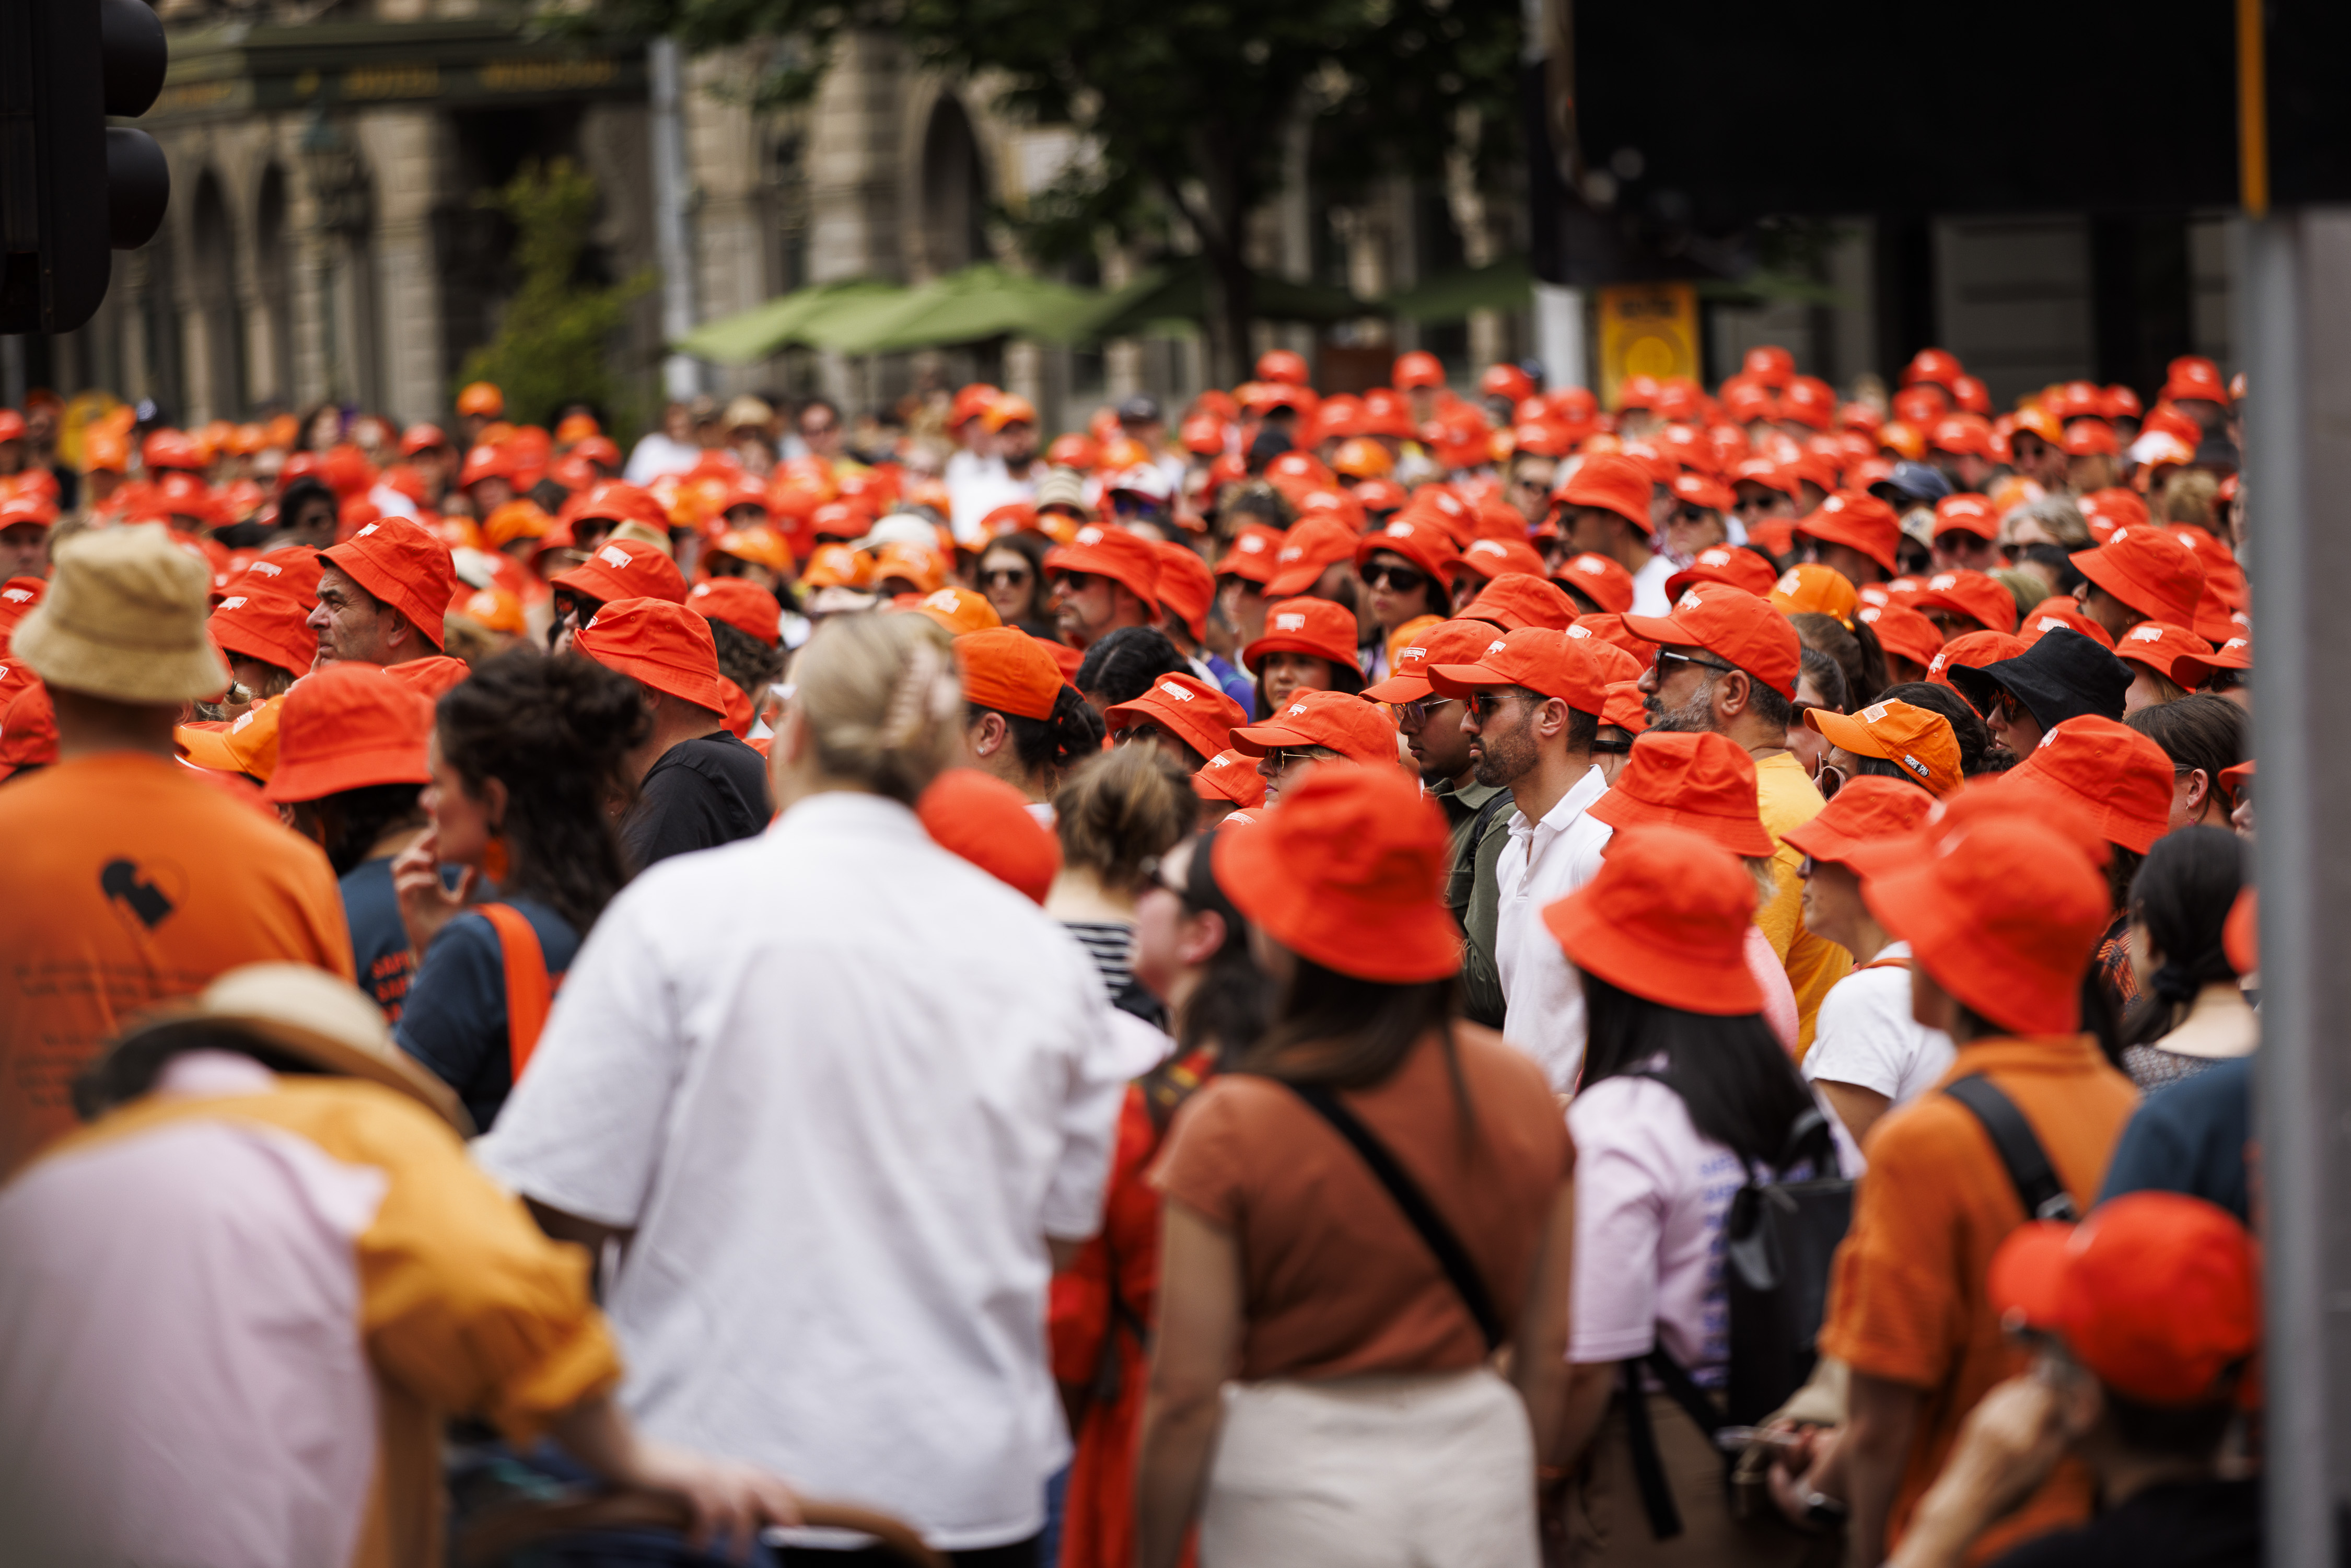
<point x="124" y="619"/>
<point x="312" y="1015"/>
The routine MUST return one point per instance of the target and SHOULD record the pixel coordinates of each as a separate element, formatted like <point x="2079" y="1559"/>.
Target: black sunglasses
<point x="1665" y="653"/>
<point x="1013" y="575"/>
<point x="1398" y="579"/>
<point x="1613" y="748"/>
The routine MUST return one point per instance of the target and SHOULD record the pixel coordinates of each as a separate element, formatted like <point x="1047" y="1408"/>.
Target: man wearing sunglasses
<point x="1104" y="579"/>
<point x="1729" y="663"/>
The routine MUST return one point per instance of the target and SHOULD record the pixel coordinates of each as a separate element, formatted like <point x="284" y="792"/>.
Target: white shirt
<point x="655" y="454"/>
<point x="1543" y="863"/>
<point x="1649" y="597"/>
<point x="844" y="1084"/>
<point x="1867" y="1036"/>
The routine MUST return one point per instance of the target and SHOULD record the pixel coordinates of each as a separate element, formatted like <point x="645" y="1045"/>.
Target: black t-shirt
<point x="2184" y="1524"/>
<point x="704" y="793"/>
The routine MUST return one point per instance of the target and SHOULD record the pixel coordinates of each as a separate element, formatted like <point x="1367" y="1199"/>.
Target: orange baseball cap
<point x="1916" y="739"/>
<point x="1417" y="370"/>
<point x="406" y="566"/>
<point x="261" y="620"/>
<point x="1005" y="669"/>
<point x="2175" y="652"/>
<point x="1228" y="776"/>
<point x="1357" y="730"/>
<point x="1610" y="482"/>
<point x="1314" y="626"/>
<point x="1732" y="624"/>
<point x="2122" y="778"/>
<point x="516" y="520"/>
<point x="2158" y="1293"/>
<point x="1445" y="642"/>
<point x="1606" y="584"/>
<point x="1701" y="783"/>
<point x="1422" y="542"/>
<point x="1975" y="649"/>
<point x="1008" y="409"/>
<point x="836" y="566"/>
<point x="1489" y="558"/>
<point x="2001" y="909"/>
<point x="1187" y="586"/>
<point x="2147" y="570"/>
<point x="348" y="726"/>
<point x="1861" y="819"/>
<point x="625" y="568"/>
<point x="1981" y="599"/>
<point x="481" y="398"/>
<point x="1555" y="664"/>
<point x="1102" y="550"/>
<point x="1859" y="520"/>
<point x="758" y="544"/>
<point x="911" y="563"/>
<point x="1902" y="630"/>
<point x="1809" y="587"/>
<point x="658" y="643"/>
<point x="959" y="610"/>
<point x="1187" y="707"/>
<point x="1665" y="919"/>
<point x="1346" y="872"/>
<point x="1313" y="545"/>
<point x="1513" y="600"/>
<point x="246" y="743"/>
<point x="2061" y="614"/>
<point x="987" y="822"/>
<point x="1733" y="564"/>
<point x="1251" y="556"/>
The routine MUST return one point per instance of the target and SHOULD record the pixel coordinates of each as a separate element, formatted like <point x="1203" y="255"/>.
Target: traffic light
<point x="73" y="188"/>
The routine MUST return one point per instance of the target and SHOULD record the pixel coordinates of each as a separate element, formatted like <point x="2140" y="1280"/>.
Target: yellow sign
<point x="1647" y="330"/>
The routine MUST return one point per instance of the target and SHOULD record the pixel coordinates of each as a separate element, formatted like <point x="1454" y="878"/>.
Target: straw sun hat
<point x="123" y="619"/>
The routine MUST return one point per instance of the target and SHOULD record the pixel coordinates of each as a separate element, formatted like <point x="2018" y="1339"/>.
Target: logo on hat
<point x="1487" y="546"/>
<point x="2045" y="740"/>
<point x="236" y="604"/>
<point x="1252" y="544"/>
<point x="1920" y="768"/>
<point x="1943" y="580"/>
<point x="1496" y="647"/>
<point x="1090" y="536"/>
<point x="2118" y="535"/>
<point x="1291" y="552"/>
<point x="2147" y="633"/>
<point x="613" y="556"/>
<point x="2050" y="623"/>
<point x="1718" y="556"/>
<point x="1178" y="693"/>
<point x="1295" y="709"/>
<point x="267" y="568"/>
<point x="1589" y="565"/>
<point x="1875" y="711"/>
<point x="1790" y="583"/>
<point x="1935" y="665"/>
<point x="365" y="531"/>
<point x="1579" y="630"/>
<point x="1400" y="530"/>
<point x="2233" y="644"/>
<point x="1289" y="622"/>
<point x="1413" y="654"/>
<point x="1689" y="601"/>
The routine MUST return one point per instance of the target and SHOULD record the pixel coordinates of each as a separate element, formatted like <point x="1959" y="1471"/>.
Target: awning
<point x="979" y="302"/>
<point x="805" y="316"/>
<point x="1172" y="298"/>
<point x="1505" y="285"/>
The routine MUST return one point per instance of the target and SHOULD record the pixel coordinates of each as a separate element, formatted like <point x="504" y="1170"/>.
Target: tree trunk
<point x="1230" y="308"/>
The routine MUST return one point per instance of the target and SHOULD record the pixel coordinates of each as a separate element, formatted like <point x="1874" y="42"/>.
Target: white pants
<point x="1373" y="1472"/>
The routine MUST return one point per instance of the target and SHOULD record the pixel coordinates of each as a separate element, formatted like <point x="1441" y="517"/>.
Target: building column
<point x="405" y="286"/>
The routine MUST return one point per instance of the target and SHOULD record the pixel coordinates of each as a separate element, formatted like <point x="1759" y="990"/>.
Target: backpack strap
<point x="529" y="991"/>
<point x="1451" y="1256"/>
<point x="1648" y="1466"/>
<point x="2037" y="1187"/>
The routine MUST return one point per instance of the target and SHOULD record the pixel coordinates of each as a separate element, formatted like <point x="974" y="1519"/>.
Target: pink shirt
<point x="1779" y="996"/>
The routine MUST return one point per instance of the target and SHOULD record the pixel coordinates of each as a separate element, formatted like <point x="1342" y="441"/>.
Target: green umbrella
<point x="1505" y="285"/>
<point x="978" y="302"/>
<point x="1177" y="291"/>
<point x="800" y="317"/>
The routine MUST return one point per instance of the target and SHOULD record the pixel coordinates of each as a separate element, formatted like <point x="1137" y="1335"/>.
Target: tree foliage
<point x="553" y="346"/>
<point x="1185" y="105"/>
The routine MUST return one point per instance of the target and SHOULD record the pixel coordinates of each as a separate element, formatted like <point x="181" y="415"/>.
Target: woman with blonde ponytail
<point x="846" y="1096"/>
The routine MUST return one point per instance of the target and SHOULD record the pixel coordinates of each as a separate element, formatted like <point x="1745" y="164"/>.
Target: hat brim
<point x="1831" y="533"/>
<point x="1257" y="739"/>
<point x="315" y="778"/>
<point x="687" y="686"/>
<point x="1385" y="943"/>
<point x="1399" y="689"/>
<point x="1742" y="836"/>
<point x="2099" y="569"/>
<point x="320" y="1049"/>
<point x="77" y="661"/>
<point x="1093" y="563"/>
<point x="1842" y="729"/>
<point x="1189" y="726"/>
<point x="1460" y="680"/>
<point x="1284" y="643"/>
<point x="1291" y="582"/>
<point x="1597" y="943"/>
<point x="210" y="750"/>
<point x="1913" y="905"/>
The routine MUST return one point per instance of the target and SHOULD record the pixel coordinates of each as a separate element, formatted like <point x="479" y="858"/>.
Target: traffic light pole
<point x="2294" y="310"/>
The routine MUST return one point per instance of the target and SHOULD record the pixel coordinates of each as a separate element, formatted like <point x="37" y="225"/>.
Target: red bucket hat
<point x="2147" y="570"/>
<point x="1975" y="649"/>
<point x="1341" y="722"/>
<point x="746" y="606"/>
<point x="1185" y="707"/>
<point x="1980" y="598"/>
<point x="1228" y="776"/>
<point x="1005" y="669"/>
<point x="261" y="620"/>
<point x="1560" y="664"/>
<point x="1733" y="564"/>
<point x="1520" y="599"/>
<point x="348" y="726"/>
<point x="1608" y="585"/>
<point x="1346" y="872"/>
<point x="987" y="822"/>
<point x="1701" y="783"/>
<point x="1313" y="545"/>
<point x="625" y="568"/>
<point x="1861" y="819"/>
<point x="1187" y="586"/>
<point x="1902" y="630"/>
<point x="1613" y="483"/>
<point x="663" y="645"/>
<point x="2118" y="775"/>
<point x="1860" y="520"/>
<point x="1127" y="559"/>
<point x="405" y="565"/>
<point x="1665" y="919"/>
<point x="1731" y="624"/>
<point x="2002" y="912"/>
<point x="1447" y="643"/>
<point x="2158" y="1293"/>
<point x="1314" y="626"/>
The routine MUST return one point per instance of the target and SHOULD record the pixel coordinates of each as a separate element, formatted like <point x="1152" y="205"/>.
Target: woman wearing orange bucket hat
<point x="1288" y="1183"/>
<point x="1686" y="1091"/>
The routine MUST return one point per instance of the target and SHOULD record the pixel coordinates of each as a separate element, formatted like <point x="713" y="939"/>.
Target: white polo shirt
<point x="1543" y="863"/>
<point x="842" y="1084"/>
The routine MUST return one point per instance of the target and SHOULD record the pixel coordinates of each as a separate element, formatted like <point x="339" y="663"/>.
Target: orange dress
<point x="1104" y="1309"/>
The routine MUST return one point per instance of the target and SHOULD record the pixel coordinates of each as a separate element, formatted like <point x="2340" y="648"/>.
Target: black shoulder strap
<point x="1451" y="1256"/>
<point x="2037" y="1187"/>
<point x="1648" y="1466"/>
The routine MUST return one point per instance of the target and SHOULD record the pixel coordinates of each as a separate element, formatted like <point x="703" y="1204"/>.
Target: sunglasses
<point x="1151" y="878"/>
<point x="1486" y="704"/>
<point x="1668" y="653"/>
<point x="1397" y="579"/>
<point x="1691" y="516"/>
<point x="1613" y="748"/>
<point x="1075" y="581"/>
<point x="1829" y="780"/>
<point x="1004" y="575"/>
<point x="1127" y="504"/>
<point x="1282" y="758"/>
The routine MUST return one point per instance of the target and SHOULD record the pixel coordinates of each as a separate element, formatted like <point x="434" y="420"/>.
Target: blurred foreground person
<point x="838" y="1169"/>
<point x="241" y="1306"/>
<point x="129" y="877"/>
<point x="1374" y="1202"/>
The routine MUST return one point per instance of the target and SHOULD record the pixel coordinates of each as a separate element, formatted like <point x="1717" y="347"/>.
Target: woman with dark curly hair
<point x="528" y="760"/>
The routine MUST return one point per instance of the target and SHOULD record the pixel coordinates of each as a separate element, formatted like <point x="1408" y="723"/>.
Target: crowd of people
<point x="1410" y="975"/>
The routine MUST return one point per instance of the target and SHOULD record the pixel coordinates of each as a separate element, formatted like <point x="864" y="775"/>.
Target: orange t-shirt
<point x="124" y="879"/>
<point x="1335" y="1281"/>
<point x="1908" y="1301"/>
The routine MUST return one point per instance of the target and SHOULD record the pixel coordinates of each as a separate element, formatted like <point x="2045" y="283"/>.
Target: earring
<point x="495" y="862"/>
